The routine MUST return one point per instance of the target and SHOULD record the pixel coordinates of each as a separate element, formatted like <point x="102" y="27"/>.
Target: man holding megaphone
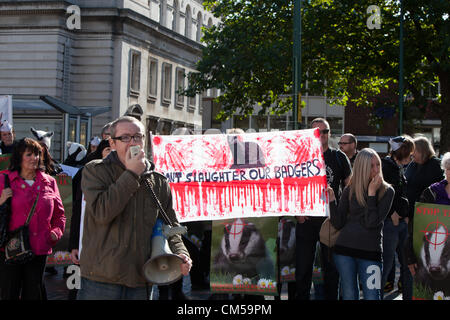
<point x="124" y="198"/>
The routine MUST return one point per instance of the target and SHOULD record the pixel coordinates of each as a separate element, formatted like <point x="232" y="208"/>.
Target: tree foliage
<point x="249" y="55"/>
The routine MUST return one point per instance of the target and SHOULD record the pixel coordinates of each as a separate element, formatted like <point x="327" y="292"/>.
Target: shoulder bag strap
<point x="32" y="210"/>
<point x="162" y="211"/>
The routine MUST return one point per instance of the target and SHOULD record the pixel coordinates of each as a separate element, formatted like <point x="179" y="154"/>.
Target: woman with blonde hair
<point x="360" y="216"/>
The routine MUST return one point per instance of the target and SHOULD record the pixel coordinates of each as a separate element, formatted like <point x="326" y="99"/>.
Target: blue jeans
<point x="368" y="272"/>
<point x="394" y="240"/>
<point x="93" y="290"/>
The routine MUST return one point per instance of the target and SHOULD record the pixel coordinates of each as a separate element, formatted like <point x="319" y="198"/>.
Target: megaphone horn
<point x="163" y="267"/>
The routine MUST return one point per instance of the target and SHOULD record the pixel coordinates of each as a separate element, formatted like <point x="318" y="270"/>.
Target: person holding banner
<point x="437" y="193"/>
<point x="339" y="171"/>
<point x="46" y="227"/>
<point x="119" y="218"/>
<point x="364" y="205"/>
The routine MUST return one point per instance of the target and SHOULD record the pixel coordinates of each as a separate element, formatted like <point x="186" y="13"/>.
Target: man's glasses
<point x="126" y="138"/>
<point x="324" y="131"/>
<point x="343" y="143"/>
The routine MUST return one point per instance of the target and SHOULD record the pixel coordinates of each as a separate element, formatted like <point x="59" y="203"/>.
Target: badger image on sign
<point x="243" y="256"/>
<point x="286" y="248"/>
<point x="432" y="249"/>
<point x="434" y="264"/>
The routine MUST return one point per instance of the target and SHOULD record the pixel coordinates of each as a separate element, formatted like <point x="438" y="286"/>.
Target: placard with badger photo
<point x="431" y="240"/>
<point x="243" y="256"/>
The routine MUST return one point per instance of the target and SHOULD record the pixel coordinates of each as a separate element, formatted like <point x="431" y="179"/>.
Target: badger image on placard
<point x="243" y="256"/>
<point x="433" y="270"/>
<point x="432" y="250"/>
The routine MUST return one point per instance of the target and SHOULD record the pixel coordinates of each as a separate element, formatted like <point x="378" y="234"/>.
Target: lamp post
<point x="297" y="61"/>
<point x="400" y="80"/>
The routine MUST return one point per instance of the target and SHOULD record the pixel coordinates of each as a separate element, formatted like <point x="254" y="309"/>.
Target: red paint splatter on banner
<point x="317" y="133"/>
<point x="256" y="198"/>
<point x="264" y="197"/>
<point x="156" y="140"/>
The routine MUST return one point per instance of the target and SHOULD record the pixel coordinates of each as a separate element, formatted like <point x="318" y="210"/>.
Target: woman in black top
<point x="420" y="174"/>
<point x="423" y="171"/>
<point x="362" y="209"/>
<point x="395" y="230"/>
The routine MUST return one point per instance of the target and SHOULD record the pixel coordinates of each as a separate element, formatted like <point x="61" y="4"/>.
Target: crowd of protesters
<point x="371" y="202"/>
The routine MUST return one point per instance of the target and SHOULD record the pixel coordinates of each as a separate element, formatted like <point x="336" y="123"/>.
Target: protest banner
<point x="6" y="112"/>
<point x="243" y="256"/>
<point x="222" y="176"/>
<point x="431" y="244"/>
<point x="60" y="255"/>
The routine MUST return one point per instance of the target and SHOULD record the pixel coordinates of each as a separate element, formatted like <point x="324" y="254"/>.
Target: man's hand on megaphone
<point x="187" y="265"/>
<point x="136" y="163"/>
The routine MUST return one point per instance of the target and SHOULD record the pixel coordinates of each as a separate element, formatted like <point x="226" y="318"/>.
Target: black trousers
<point x="23" y="282"/>
<point x="307" y="235"/>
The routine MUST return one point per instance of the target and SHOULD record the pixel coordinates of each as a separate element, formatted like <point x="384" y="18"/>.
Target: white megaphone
<point x="163" y="267"/>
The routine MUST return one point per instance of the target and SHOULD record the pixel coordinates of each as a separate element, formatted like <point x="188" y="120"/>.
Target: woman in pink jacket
<point x="46" y="227"/>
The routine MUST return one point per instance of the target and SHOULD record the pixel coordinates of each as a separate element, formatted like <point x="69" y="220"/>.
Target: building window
<point x="336" y="125"/>
<point x="188" y="22"/>
<point x="200" y="104"/>
<point x="241" y="122"/>
<point x="199" y="27"/>
<point x="162" y="12"/>
<point x="166" y="83"/>
<point x="192" y="103"/>
<point x="164" y="127"/>
<point x="176" y="16"/>
<point x="259" y="123"/>
<point x="179" y="87"/>
<point x="135" y="72"/>
<point x="152" y="78"/>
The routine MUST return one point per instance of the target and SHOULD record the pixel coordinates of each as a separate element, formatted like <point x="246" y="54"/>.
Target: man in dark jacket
<point x="307" y="230"/>
<point x="119" y="218"/>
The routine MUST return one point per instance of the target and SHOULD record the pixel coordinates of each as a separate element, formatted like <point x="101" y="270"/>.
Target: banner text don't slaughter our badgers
<point x="244" y="175"/>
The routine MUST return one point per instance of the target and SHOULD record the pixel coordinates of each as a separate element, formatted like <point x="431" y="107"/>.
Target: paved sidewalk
<point x="57" y="289"/>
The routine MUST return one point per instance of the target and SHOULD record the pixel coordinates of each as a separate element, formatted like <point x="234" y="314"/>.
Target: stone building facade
<point x="105" y="53"/>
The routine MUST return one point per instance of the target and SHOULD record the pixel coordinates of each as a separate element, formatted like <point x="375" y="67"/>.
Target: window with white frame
<point x="135" y="71"/>
<point x="199" y="34"/>
<point x="192" y="102"/>
<point x="166" y="83"/>
<point x="162" y="12"/>
<point x="152" y="78"/>
<point x="179" y="87"/>
<point x="200" y="104"/>
<point x="176" y="16"/>
<point x="188" y="22"/>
